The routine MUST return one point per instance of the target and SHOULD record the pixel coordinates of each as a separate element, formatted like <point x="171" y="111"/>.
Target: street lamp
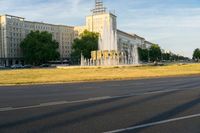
<point x="148" y="55"/>
<point x="3" y="56"/>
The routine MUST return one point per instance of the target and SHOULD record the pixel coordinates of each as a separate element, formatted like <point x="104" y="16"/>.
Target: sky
<point x="173" y="24"/>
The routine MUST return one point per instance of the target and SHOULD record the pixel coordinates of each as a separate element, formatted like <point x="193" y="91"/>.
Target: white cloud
<point x="62" y="12"/>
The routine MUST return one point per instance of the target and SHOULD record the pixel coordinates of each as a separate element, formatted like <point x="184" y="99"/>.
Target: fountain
<point x="108" y="38"/>
<point x="135" y="55"/>
<point x="108" y="53"/>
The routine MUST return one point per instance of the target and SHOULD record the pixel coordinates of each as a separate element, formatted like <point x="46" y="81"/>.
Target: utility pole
<point x="148" y="56"/>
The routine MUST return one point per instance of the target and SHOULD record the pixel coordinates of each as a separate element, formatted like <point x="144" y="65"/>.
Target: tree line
<point x="155" y="54"/>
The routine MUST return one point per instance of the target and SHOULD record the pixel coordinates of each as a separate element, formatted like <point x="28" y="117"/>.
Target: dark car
<point x="45" y="65"/>
<point x="27" y="66"/>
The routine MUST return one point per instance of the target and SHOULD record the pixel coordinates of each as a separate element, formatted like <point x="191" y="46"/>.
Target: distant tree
<point x="143" y="54"/>
<point x="196" y="54"/>
<point x="39" y="47"/>
<point x="87" y="42"/>
<point x="155" y="53"/>
<point x="166" y="56"/>
<point x="175" y="57"/>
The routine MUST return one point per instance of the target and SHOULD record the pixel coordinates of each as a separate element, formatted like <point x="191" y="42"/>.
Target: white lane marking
<point x="5" y="109"/>
<point x="84" y="100"/>
<point x="53" y="103"/>
<point x="154" y="123"/>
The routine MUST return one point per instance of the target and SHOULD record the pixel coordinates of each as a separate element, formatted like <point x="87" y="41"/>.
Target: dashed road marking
<point x="84" y="100"/>
<point x="5" y="109"/>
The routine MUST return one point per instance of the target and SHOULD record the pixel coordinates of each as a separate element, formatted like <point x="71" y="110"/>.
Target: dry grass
<point x="45" y="76"/>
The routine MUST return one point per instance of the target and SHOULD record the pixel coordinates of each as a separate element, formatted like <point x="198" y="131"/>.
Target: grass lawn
<point x="45" y="76"/>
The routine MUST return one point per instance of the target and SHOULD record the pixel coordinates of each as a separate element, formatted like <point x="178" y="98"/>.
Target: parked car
<point x="27" y="66"/>
<point x="16" y="66"/>
<point x="45" y="65"/>
<point x="2" y="67"/>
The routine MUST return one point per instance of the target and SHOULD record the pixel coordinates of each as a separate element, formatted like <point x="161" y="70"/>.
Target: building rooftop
<point x="99" y="8"/>
<point x="12" y="16"/>
<point x="50" y="24"/>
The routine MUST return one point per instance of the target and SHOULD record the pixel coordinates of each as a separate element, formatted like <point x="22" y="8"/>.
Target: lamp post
<point x="1" y="45"/>
<point x="3" y="56"/>
<point x="148" y="55"/>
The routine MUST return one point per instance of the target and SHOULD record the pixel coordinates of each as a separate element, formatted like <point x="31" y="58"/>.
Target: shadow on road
<point x="167" y="114"/>
<point x="82" y="118"/>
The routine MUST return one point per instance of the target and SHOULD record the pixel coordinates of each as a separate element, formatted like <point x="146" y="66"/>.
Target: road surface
<point x="164" y="105"/>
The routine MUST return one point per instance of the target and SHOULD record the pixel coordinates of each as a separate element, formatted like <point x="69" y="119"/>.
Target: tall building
<point x="103" y="22"/>
<point x="111" y="38"/>
<point x="101" y="18"/>
<point x="14" y="29"/>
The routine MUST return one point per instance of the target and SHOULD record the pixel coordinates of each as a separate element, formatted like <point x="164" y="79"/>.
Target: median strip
<point x="93" y="74"/>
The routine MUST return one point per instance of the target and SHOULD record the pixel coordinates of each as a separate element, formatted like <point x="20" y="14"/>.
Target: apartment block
<point x="14" y="29"/>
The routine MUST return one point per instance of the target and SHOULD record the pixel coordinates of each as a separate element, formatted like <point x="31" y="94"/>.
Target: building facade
<point x="14" y="29"/>
<point x="112" y="41"/>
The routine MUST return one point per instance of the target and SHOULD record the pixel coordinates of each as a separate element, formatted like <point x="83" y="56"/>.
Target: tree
<point x="85" y="44"/>
<point x="39" y="47"/>
<point x="155" y="53"/>
<point x="143" y="54"/>
<point x="166" y="56"/>
<point x="196" y="54"/>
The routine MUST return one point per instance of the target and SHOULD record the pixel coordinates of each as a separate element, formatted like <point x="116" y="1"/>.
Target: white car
<point x="2" y="67"/>
<point x="16" y="66"/>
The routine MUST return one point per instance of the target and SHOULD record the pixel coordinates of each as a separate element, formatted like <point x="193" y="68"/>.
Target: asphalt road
<point x="165" y="105"/>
